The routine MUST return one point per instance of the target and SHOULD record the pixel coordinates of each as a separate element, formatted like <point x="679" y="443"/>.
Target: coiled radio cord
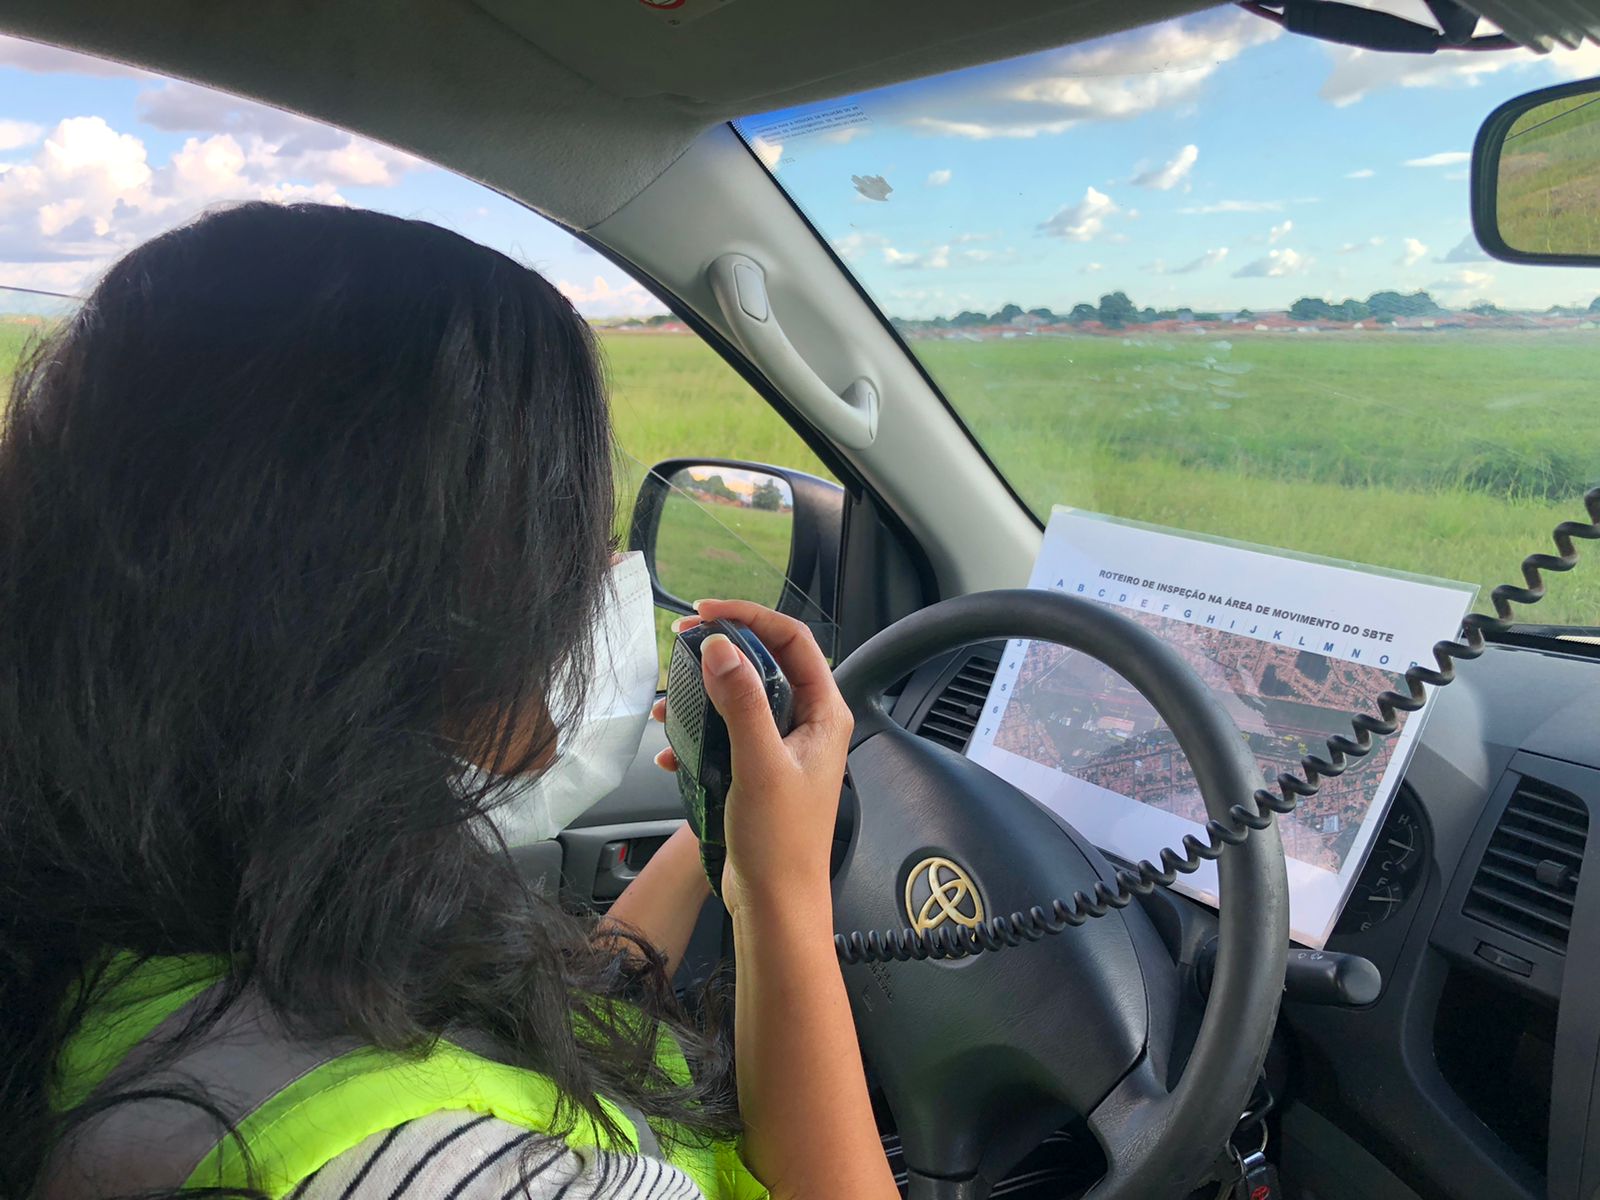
<point x="996" y="933"/>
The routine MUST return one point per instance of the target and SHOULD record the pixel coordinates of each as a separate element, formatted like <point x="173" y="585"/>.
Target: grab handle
<point x="740" y="286"/>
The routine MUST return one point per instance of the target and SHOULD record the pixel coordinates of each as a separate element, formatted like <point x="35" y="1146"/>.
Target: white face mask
<point x="594" y="752"/>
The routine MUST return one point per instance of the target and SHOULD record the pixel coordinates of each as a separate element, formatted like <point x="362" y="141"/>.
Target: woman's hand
<point x="808" y="1122"/>
<point x="785" y="793"/>
<point x="663" y="903"/>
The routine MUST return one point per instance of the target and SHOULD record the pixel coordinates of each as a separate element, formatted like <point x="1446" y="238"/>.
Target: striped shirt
<point x="465" y="1156"/>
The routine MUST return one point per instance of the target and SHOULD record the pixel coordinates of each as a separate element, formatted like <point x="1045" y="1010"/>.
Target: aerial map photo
<point x="1071" y="713"/>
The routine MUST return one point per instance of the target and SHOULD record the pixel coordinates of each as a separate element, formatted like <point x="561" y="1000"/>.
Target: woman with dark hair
<point x="307" y="595"/>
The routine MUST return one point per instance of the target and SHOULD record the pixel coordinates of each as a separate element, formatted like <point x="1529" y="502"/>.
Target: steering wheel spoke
<point x="871" y="719"/>
<point x="1129" y="1124"/>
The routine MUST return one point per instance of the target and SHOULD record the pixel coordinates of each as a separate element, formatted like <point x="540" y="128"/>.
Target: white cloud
<point x="1083" y="221"/>
<point x="1355" y="74"/>
<point x="1462" y="281"/>
<point x="1274" y="265"/>
<point x="768" y="152"/>
<point x="1124" y="76"/>
<point x="1363" y="173"/>
<point x="936" y="259"/>
<point x="1279" y="231"/>
<point x="1445" y="158"/>
<point x="1353" y="247"/>
<point x="1170" y="174"/>
<point x="277" y="144"/>
<point x="1582" y="63"/>
<point x="52" y="60"/>
<point x="63" y="202"/>
<point x="979" y="131"/>
<point x="1414" y="253"/>
<point x="852" y="245"/>
<point x="14" y="135"/>
<point x="1210" y="258"/>
<point x="605" y="299"/>
<point x="914" y="302"/>
<point x="180" y="107"/>
<point x="69" y="278"/>
<point x="1234" y="206"/>
<point x="89" y="192"/>
<point x="1007" y="254"/>
<point x="1466" y="250"/>
<point x="1091" y="268"/>
<point x="938" y="178"/>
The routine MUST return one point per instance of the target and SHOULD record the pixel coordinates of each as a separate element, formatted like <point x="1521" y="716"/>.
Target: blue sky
<point x="1208" y="162"/>
<point x="1212" y="162"/>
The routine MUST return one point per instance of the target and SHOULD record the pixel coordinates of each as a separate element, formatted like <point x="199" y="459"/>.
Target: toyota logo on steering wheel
<point x="939" y="890"/>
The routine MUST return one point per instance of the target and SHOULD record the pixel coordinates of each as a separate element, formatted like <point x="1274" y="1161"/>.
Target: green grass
<point x="1549" y="180"/>
<point x="719" y="550"/>
<point x="705" y="550"/>
<point x="14" y="337"/>
<point x="672" y="397"/>
<point x="1448" y="454"/>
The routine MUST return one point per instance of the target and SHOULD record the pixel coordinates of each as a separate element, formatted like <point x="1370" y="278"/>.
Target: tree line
<point x="1116" y="311"/>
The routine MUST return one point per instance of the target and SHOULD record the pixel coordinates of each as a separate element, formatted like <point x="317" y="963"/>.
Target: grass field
<point x="718" y="550"/>
<point x="672" y="397"/>
<point x="14" y="337"/>
<point x="1549" y="181"/>
<point x="1445" y="454"/>
<point x="1439" y="453"/>
<point x="696" y="558"/>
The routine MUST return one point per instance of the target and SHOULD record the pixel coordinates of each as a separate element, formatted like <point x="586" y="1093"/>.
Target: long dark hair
<point x="301" y="494"/>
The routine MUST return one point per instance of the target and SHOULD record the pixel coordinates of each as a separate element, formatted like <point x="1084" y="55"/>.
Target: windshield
<point x="1217" y="277"/>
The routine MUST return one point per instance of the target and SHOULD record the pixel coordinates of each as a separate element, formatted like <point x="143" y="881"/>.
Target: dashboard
<point x="1475" y="1072"/>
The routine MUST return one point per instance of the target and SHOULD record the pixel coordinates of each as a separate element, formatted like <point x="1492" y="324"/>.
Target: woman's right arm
<point x="809" y="1129"/>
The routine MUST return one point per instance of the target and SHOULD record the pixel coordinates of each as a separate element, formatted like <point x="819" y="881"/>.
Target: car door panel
<point x="591" y="861"/>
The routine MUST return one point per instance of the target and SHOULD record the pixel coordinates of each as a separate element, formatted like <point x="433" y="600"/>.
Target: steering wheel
<point x="983" y="1057"/>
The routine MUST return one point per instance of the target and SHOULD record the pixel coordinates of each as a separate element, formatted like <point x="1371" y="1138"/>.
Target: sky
<point x="96" y="157"/>
<point x="1211" y="162"/>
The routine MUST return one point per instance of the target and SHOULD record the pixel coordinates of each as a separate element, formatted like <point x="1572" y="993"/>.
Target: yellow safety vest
<point x="296" y="1105"/>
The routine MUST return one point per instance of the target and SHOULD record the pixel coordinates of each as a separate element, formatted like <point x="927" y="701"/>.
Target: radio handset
<point x="699" y="736"/>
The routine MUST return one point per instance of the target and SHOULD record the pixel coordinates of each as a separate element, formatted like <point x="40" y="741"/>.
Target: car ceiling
<point x="574" y="107"/>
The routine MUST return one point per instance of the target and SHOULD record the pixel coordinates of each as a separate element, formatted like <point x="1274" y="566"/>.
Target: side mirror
<point x="748" y="531"/>
<point x="1536" y="177"/>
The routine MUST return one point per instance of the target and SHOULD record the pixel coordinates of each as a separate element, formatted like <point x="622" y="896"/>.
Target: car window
<point x="96" y="157"/>
<point x="1214" y="276"/>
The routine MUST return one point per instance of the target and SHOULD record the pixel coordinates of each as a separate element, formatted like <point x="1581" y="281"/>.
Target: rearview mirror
<point x="743" y="531"/>
<point x="1536" y="177"/>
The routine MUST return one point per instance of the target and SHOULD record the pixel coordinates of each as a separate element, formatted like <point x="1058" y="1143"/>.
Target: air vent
<point x="1529" y="872"/>
<point x="953" y="715"/>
